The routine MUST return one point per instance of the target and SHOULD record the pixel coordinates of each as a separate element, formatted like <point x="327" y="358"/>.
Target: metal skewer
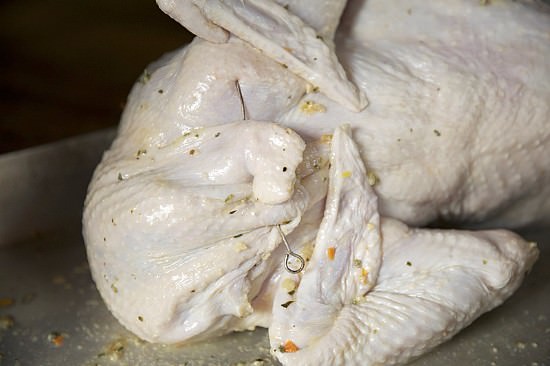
<point x="243" y="108"/>
<point x="289" y="253"/>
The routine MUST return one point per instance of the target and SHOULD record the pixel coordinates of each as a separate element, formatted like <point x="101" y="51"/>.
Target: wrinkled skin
<point x="180" y="217"/>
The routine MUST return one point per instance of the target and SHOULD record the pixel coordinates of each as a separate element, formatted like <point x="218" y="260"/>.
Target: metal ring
<point x="299" y="258"/>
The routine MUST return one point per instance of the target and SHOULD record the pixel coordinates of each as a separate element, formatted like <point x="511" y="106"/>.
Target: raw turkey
<point x="222" y="143"/>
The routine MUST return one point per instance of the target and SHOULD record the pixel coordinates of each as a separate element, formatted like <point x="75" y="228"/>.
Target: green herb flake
<point x="372" y="178"/>
<point x="140" y="152"/>
<point x="286" y="304"/>
<point x="357" y="263"/>
<point x="145" y="77"/>
<point x="409" y="263"/>
<point x="437" y="133"/>
<point x="229" y="198"/>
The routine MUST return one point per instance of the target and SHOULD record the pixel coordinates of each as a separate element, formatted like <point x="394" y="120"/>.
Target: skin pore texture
<point x="180" y="221"/>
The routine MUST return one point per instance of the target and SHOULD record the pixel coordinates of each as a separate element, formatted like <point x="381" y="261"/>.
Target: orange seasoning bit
<point x="6" y="301"/>
<point x="290" y="347"/>
<point x="56" y="339"/>
<point x="331" y="251"/>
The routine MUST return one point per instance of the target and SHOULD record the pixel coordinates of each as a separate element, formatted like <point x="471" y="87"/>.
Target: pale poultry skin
<point x="180" y="217"/>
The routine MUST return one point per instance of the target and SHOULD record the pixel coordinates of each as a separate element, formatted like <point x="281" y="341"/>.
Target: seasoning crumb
<point x="326" y="138"/>
<point x="114" y="288"/>
<point x="217" y="134"/>
<point x="140" y="318"/>
<point x="145" y="77"/>
<point x="6" y="302"/>
<point x="160" y="91"/>
<point x="357" y="263"/>
<point x="240" y="247"/>
<point x="364" y="276"/>
<point x="285" y="169"/>
<point x="192" y="152"/>
<point x="289" y="285"/>
<point x="56" y="339"/>
<point x="58" y="280"/>
<point x="311" y="107"/>
<point x="372" y="178"/>
<point x="140" y="152"/>
<point x="114" y="350"/>
<point x="409" y="263"/>
<point x="28" y="298"/>
<point x="6" y="322"/>
<point x="437" y="133"/>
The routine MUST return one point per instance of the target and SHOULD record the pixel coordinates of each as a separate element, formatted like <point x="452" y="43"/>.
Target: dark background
<point x="66" y="66"/>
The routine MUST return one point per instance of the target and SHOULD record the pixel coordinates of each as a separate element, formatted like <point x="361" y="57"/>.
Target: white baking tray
<point x="46" y="290"/>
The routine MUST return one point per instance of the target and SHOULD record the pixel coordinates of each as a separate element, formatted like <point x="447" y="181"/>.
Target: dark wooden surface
<point x="67" y="66"/>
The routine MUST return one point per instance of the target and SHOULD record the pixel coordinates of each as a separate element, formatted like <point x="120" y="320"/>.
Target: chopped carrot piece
<point x="331" y="251"/>
<point x="290" y="347"/>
